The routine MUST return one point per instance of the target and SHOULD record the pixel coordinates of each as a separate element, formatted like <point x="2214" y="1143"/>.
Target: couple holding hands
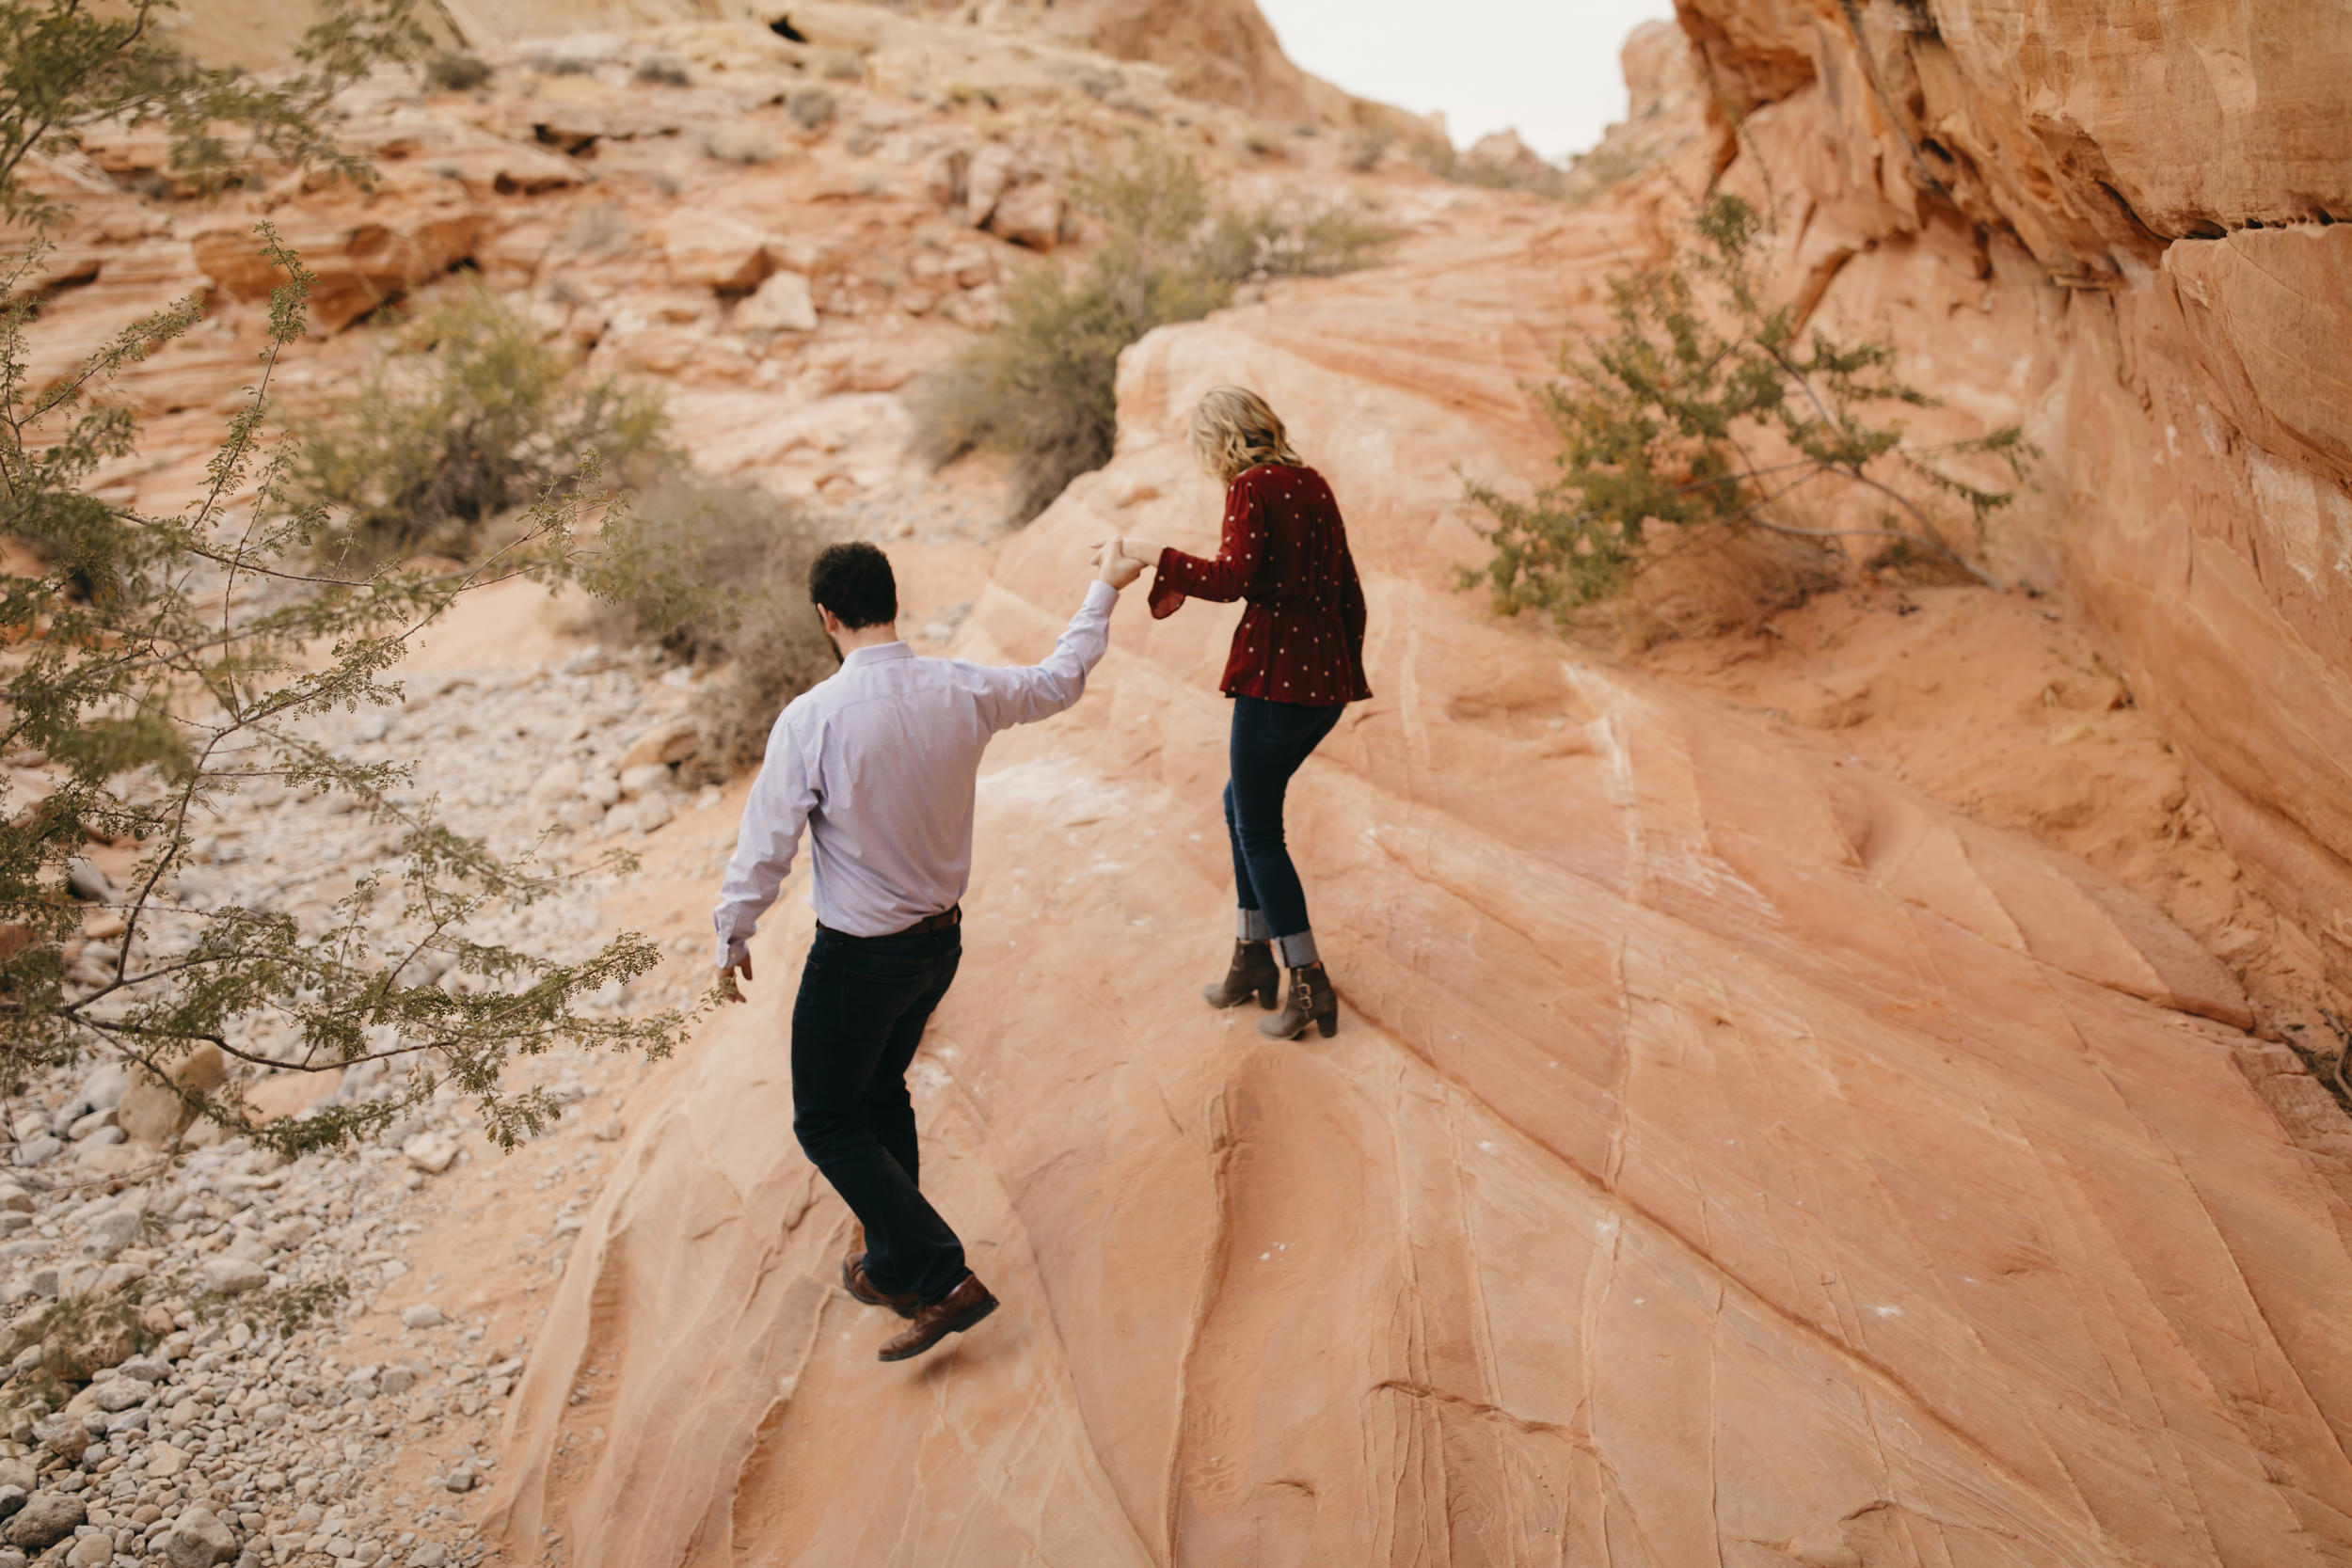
<point x="877" y="764"/>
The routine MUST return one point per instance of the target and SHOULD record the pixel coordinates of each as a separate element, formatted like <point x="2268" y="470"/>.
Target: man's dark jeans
<point x="1270" y="742"/>
<point x="860" y="1015"/>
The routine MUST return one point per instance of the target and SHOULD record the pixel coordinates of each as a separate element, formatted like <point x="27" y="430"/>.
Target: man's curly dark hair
<point x="854" y="581"/>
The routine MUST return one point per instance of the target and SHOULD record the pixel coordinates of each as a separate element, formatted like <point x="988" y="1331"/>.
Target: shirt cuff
<point x="732" y="951"/>
<point x="1166" y="598"/>
<point x="1099" y="595"/>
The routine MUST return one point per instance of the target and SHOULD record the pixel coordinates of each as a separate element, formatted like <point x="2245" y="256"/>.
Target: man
<point x="878" y="761"/>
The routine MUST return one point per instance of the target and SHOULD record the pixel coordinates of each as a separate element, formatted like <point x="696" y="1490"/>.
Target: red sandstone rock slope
<point x="1728" y="1155"/>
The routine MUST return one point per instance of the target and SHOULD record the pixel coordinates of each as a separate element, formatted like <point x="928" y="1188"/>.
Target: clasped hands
<point x="1119" y="561"/>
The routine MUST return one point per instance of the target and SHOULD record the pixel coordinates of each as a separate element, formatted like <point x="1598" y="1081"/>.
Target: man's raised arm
<point x="1023" y="694"/>
<point x="781" y="799"/>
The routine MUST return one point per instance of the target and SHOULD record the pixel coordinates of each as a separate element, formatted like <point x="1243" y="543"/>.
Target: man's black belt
<point x="951" y="915"/>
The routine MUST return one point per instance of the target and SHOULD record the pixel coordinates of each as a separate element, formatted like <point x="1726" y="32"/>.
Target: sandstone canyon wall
<point x="1729" y="1155"/>
<point x="2150" y="194"/>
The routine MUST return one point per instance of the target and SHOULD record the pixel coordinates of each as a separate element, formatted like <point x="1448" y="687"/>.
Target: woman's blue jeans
<point x="1270" y="742"/>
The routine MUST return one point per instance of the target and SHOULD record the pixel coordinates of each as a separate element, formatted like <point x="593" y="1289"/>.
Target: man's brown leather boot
<point x="1311" y="1001"/>
<point x="855" y="1281"/>
<point x="1253" y="973"/>
<point x="958" y="1311"/>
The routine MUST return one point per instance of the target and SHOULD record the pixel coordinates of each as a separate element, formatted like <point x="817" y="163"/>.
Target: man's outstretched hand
<point x="728" y="987"/>
<point x="1114" y="565"/>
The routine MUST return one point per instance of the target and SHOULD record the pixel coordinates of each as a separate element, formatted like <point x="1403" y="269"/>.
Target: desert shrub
<point x="662" y="70"/>
<point x="717" y="574"/>
<point x="1040" y="388"/>
<point x="839" y="65"/>
<point x="1268" y="242"/>
<point x="1698" y="415"/>
<point x="810" y="108"/>
<point x="455" y="70"/>
<point x="470" y="418"/>
<point x="1364" y="151"/>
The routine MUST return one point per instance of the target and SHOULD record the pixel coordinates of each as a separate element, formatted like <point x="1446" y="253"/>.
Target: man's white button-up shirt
<point x="878" y="762"/>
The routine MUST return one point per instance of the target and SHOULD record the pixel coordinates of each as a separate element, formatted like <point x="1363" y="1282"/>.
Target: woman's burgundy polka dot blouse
<point x="1285" y="552"/>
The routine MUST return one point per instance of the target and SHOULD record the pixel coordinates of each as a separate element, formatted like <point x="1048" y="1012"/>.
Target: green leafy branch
<point x="1660" y="422"/>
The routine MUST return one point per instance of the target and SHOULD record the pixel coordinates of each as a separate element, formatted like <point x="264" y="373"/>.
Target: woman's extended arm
<point x="1181" y="576"/>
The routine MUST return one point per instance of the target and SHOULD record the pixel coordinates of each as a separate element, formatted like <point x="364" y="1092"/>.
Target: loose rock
<point x="47" y="1519"/>
<point x="200" y="1540"/>
<point x="430" y="1152"/>
<point x="231" y="1276"/>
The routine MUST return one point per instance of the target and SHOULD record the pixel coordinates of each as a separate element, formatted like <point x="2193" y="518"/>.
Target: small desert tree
<point x="156" y="661"/>
<point x="1697" y="418"/>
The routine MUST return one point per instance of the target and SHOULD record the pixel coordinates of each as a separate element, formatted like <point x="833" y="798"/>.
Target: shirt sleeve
<point x="782" y="796"/>
<point x="1181" y="576"/>
<point x="1023" y="694"/>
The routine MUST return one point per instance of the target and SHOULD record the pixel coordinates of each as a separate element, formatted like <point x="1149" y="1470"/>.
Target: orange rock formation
<point x="1729" y="1154"/>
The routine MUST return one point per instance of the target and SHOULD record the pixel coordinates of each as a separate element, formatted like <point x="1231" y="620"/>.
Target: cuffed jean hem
<point x="1296" y="952"/>
<point x="1251" y="926"/>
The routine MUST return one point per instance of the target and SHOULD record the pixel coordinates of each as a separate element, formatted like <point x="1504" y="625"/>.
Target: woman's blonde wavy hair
<point x="1233" y="429"/>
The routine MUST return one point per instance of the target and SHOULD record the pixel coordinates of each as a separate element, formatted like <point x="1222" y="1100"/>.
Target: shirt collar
<point x="879" y="652"/>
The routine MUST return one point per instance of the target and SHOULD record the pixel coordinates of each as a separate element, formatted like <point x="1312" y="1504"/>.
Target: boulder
<point x="710" y="250"/>
<point x="1030" y="216"/>
<point x="86" y="882"/>
<point x="672" y="740"/>
<point x="430" y="1152"/>
<point x="110" y="1232"/>
<point x="362" y="253"/>
<point x="945" y="175"/>
<point x="646" y="778"/>
<point x="781" y="304"/>
<point x="63" y="1435"/>
<point x="152" y="1113"/>
<point x="228" y="1275"/>
<point x="556" y="783"/>
<point x="198" y="1538"/>
<point x="46" y="1518"/>
<point x="994" y="171"/>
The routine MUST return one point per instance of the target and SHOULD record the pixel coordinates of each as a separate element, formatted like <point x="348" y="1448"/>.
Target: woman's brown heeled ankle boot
<point x="1311" y="1001"/>
<point x="1253" y="973"/>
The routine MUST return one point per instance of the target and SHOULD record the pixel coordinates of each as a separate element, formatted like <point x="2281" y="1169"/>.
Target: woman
<point x="1298" y="661"/>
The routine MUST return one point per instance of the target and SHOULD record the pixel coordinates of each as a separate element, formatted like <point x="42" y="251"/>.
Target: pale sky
<point x="1546" y="66"/>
